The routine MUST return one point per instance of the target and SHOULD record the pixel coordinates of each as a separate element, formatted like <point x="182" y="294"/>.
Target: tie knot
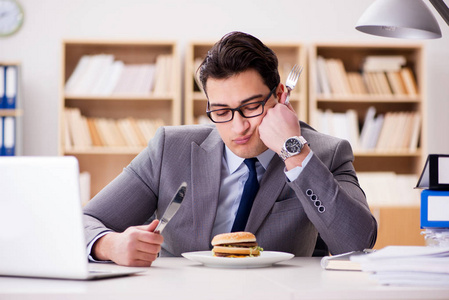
<point x="251" y="163"/>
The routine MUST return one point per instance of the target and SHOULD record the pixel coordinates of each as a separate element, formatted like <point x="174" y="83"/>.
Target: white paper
<point x="443" y="170"/>
<point x="438" y="208"/>
<point x="408" y="265"/>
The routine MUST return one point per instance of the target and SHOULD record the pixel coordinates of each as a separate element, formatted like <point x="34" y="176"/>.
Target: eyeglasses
<point x="248" y="110"/>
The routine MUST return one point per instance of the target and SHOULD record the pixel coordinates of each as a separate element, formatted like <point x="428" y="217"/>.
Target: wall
<point x="47" y="22"/>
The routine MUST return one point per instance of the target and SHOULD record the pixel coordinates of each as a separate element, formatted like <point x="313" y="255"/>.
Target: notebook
<point x="41" y="227"/>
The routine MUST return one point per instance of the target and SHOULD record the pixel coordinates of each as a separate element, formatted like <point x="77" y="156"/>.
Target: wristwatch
<point x="292" y="146"/>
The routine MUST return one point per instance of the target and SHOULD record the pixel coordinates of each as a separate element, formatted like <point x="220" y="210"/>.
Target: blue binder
<point x="2" y="87"/>
<point x="434" y="209"/>
<point x="9" y="136"/>
<point x="2" y="150"/>
<point x="10" y="87"/>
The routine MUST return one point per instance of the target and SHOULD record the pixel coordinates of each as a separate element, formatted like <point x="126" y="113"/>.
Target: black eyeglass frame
<point x="263" y="102"/>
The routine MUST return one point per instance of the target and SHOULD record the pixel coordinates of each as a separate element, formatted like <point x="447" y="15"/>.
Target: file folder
<point x="10" y="87"/>
<point x="2" y="87"/>
<point x="9" y="136"/>
<point x="435" y="175"/>
<point x="434" y="209"/>
<point x="2" y="150"/>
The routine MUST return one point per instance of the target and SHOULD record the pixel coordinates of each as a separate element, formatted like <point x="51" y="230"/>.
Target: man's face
<point x="241" y="135"/>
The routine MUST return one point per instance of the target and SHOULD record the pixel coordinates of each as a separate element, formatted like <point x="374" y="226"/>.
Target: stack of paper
<point x="408" y="265"/>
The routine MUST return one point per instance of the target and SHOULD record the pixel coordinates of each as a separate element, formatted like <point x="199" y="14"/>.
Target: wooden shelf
<point x="398" y="225"/>
<point x="416" y="153"/>
<point x="104" y="163"/>
<point x="369" y="98"/>
<point x="11" y="112"/>
<point x="120" y="97"/>
<point x="104" y="151"/>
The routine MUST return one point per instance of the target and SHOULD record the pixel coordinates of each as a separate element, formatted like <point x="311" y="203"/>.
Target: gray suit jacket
<point x="283" y="216"/>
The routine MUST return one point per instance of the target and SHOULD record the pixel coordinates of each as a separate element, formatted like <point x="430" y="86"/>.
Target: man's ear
<point x="279" y="91"/>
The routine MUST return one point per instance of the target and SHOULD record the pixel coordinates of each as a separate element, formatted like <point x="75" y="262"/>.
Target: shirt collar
<point x="235" y="161"/>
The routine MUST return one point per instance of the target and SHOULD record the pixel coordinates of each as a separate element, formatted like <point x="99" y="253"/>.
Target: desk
<point x="179" y="278"/>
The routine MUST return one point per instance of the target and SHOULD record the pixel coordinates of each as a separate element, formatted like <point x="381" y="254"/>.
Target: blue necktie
<point x="249" y="193"/>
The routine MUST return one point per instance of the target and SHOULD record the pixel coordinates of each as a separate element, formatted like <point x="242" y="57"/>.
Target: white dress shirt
<point x="234" y="174"/>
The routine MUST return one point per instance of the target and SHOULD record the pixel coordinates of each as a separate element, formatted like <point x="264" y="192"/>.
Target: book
<point x="396" y="83"/>
<point x="415" y="133"/>
<point x="357" y="84"/>
<point x="93" y="131"/>
<point x="370" y="83"/>
<point x="343" y="261"/>
<point x="435" y="174"/>
<point x="409" y="81"/>
<point x="434" y="209"/>
<point x="343" y="125"/>
<point x="336" y="74"/>
<point x="381" y="63"/>
<point x="77" y="74"/>
<point x="322" y="77"/>
<point x="383" y="83"/>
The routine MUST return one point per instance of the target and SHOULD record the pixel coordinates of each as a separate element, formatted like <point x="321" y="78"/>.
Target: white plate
<point x="266" y="259"/>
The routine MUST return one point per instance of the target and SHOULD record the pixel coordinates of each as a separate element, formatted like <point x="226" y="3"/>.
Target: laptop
<point x="41" y="227"/>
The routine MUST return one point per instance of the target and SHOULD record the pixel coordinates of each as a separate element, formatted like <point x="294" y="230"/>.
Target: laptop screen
<point x="41" y="218"/>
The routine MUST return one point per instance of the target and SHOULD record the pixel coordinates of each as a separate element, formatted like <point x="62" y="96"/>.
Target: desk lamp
<point x="409" y="19"/>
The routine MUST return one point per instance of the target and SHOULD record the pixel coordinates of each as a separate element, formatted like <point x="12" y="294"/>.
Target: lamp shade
<point x="410" y="19"/>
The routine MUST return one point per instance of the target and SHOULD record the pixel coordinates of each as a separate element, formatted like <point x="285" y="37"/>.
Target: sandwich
<point x="235" y="244"/>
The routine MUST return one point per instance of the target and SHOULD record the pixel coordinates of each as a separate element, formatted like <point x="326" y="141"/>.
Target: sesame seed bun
<point x="233" y="237"/>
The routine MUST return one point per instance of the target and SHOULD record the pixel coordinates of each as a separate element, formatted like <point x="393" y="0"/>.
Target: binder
<point x="10" y="87"/>
<point x="9" y="136"/>
<point x="1" y="137"/>
<point x="434" y="209"/>
<point x="2" y="87"/>
<point x="435" y="175"/>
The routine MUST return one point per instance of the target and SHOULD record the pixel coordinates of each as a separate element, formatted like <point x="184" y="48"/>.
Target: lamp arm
<point x="442" y="9"/>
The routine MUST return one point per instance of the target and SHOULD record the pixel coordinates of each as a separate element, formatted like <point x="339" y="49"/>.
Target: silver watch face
<point x="293" y="145"/>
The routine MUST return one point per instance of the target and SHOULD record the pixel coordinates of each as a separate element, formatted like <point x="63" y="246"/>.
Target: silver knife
<point x="172" y="208"/>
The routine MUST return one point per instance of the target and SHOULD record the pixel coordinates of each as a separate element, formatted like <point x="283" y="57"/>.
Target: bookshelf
<point x="114" y="94"/>
<point x="11" y="111"/>
<point x="394" y="150"/>
<point x="288" y="54"/>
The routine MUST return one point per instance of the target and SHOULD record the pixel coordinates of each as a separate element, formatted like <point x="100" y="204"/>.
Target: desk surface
<point x="179" y="278"/>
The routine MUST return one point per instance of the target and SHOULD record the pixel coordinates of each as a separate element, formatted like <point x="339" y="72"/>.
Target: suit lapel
<point x="272" y="183"/>
<point x="206" y="170"/>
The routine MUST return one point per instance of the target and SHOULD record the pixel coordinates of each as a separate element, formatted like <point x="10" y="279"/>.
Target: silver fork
<point x="291" y="81"/>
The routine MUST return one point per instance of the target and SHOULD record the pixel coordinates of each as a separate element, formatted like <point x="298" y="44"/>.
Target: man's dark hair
<point x="237" y="52"/>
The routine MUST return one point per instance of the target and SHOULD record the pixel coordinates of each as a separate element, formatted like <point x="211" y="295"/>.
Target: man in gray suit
<point x="308" y="185"/>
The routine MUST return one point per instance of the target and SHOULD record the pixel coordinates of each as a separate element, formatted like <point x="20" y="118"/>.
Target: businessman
<point x="304" y="182"/>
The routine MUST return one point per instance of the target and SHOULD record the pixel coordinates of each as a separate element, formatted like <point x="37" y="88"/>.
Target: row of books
<point x="382" y="80"/>
<point x="82" y="132"/>
<point x="102" y="75"/>
<point x="389" y="189"/>
<point x="8" y="86"/>
<point x="392" y="131"/>
<point x="7" y="136"/>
